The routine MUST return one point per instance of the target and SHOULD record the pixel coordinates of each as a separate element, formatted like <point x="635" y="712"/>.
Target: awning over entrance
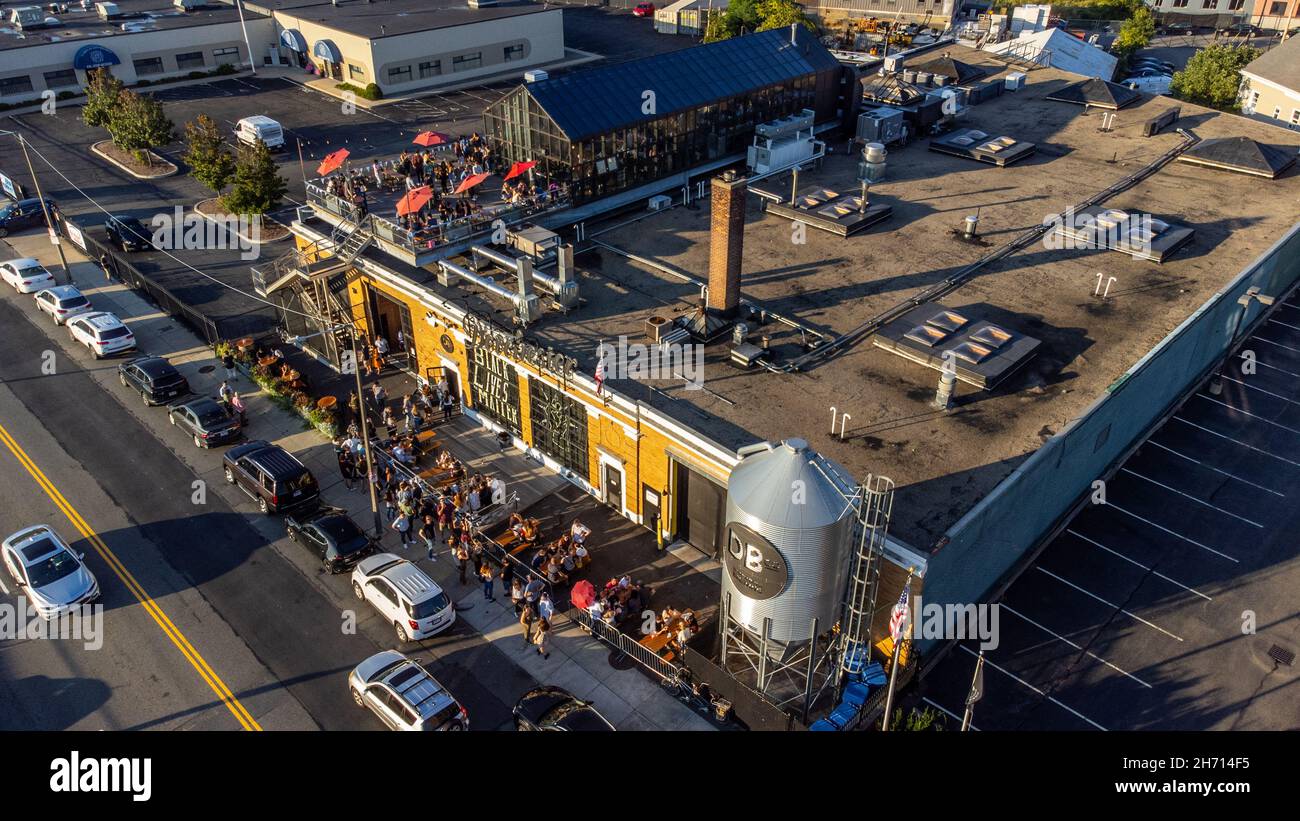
<point x="94" y="56"/>
<point x="326" y="50"/>
<point x="294" y="40"/>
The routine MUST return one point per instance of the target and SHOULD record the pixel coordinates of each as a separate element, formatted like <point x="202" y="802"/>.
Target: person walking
<point x="228" y="362"/>
<point x="526" y="619"/>
<point x="225" y="392"/>
<point x="485" y="575"/>
<point x="390" y="503"/>
<point x="462" y="560"/>
<point x="545" y="608"/>
<point x="429" y="532"/>
<point x="445" y="511"/>
<point x="517" y="595"/>
<point x="402" y="524"/>
<point x="237" y="405"/>
<point x="543" y="636"/>
<point x="347" y="466"/>
<point x="533" y="591"/>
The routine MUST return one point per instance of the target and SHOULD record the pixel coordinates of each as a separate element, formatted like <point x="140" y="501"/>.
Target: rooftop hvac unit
<point x="894" y="63"/>
<point x="659" y="202"/>
<point x="909" y="76"/>
<point x="882" y="125"/>
<point x="1015" y="81"/>
<point x="923" y="78"/>
<point x="657" y="327"/>
<point x="535" y="75"/>
<point x="787" y="126"/>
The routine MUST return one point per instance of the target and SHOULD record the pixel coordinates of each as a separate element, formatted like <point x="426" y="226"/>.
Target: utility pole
<point x="976" y="692"/>
<point x="899" y="620"/>
<point x="365" y="433"/>
<point x="45" y="208"/>
<point x="252" y="63"/>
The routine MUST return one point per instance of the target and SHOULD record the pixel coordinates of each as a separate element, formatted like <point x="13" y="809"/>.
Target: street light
<point x="1252" y="295"/>
<point x="361" y="412"/>
<point x="49" y="222"/>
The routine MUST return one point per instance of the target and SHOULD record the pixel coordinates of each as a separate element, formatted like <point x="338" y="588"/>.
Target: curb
<point x="175" y="168"/>
<point x="249" y="240"/>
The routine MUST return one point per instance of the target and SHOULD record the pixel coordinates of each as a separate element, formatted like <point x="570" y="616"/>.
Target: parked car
<point x="1240" y="30"/>
<point x="332" y="536"/>
<point x="26" y="275"/>
<point x="1145" y="62"/>
<point x="23" y="214"/>
<point x="411" y="601"/>
<point x="47" y="571"/>
<point x="154" y="378"/>
<point x="404" y="695"/>
<point x="102" y="333"/>
<point x="62" y="302"/>
<point x="644" y="10"/>
<point x="1145" y="72"/>
<point x="128" y="233"/>
<point x="206" y="420"/>
<point x="271" y="476"/>
<point x="1178" y="28"/>
<point x="557" y="710"/>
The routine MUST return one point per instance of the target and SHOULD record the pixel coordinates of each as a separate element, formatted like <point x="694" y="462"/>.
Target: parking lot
<point x="1172" y="605"/>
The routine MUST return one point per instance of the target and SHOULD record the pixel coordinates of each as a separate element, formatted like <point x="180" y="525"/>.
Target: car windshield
<point x="212" y="416"/>
<point x="114" y="333"/>
<point x="73" y="302"/>
<point x="429" y="607"/>
<point x="52" y="568"/>
<point x="302" y="481"/>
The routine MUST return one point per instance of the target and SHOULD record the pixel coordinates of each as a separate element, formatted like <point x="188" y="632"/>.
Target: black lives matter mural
<point x="494" y="388"/>
<point x="559" y="425"/>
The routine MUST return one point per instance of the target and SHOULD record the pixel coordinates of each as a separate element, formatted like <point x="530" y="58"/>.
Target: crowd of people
<point x="443" y="169"/>
<point x="619" y="602"/>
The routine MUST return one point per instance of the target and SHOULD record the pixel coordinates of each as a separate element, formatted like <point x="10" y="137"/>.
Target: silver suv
<point x="411" y="601"/>
<point x="404" y="695"/>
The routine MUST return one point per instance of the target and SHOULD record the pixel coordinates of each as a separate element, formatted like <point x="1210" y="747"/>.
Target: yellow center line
<point x="151" y="607"/>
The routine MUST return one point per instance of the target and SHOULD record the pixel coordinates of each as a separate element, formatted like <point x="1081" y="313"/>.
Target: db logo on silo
<point x="754" y="564"/>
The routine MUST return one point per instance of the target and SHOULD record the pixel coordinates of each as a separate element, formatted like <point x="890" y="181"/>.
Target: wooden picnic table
<point x="660" y="639"/>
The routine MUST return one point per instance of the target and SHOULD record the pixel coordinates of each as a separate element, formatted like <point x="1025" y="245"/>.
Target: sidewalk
<point x="628" y="698"/>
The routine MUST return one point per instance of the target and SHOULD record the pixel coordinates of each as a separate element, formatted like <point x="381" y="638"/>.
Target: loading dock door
<point x="701" y="509"/>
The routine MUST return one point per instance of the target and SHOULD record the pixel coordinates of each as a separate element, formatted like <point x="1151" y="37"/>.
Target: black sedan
<point x="554" y="709"/>
<point x="128" y="233"/>
<point x="332" y="536"/>
<point x="153" y="378"/>
<point x="207" y="420"/>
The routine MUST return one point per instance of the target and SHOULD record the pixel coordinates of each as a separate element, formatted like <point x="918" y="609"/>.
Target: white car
<point x="404" y="695"/>
<point x="52" y="577"/>
<point x="102" y="333"/>
<point x="62" y="302"/>
<point x="26" y="275"/>
<point x="408" y="599"/>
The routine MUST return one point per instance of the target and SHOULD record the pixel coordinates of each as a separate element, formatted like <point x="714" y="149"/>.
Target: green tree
<point x="102" y="92"/>
<point x="208" y="154"/>
<point x="779" y="14"/>
<point x="1136" y="33"/>
<point x="1213" y="76"/>
<point x="140" y="125"/>
<point x="258" y="186"/>
<point x="745" y="16"/>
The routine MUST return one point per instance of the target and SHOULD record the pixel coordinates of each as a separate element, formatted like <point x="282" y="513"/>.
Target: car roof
<point x="418" y="688"/>
<point x="411" y="581"/>
<point x="63" y="291"/>
<point x="35" y="542"/>
<point x="201" y="404"/>
<point x="275" y="460"/>
<point x="23" y="262"/>
<point x="259" y="119"/>
<point x="154" y="365"/>
<point x="101" y="319"/>
<point x="536" y="703"/>
<point x="564" y="709"/>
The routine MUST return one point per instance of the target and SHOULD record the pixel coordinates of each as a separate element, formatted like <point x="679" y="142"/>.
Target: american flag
<point x="600" y="370"/>
<point x="898" y="617"/>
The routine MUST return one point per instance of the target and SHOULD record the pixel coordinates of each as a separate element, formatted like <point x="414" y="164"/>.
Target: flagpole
<point x="898" y="646"/>
<point x="976" y="692"/>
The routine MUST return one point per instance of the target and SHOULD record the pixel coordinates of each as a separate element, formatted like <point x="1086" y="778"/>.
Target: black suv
<point x="154" y="378"/>
<point x="555" y="709"/>
<point x="128" y="233"/>
<point x="23" y="214"/>
<point x="332" y="536"/>
<point x="272" y="476"/>
<point x="206" y="419"/>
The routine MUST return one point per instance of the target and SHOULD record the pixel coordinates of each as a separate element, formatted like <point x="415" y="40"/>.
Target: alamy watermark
<point x="195" y="232"/>
<point x="957" y="622"/>
<point x="657" y="361"/>
<point x="1109" y="229"/>
<point x="20" y="622"/>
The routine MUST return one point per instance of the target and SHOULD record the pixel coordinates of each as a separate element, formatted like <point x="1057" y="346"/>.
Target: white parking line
<point x="1245" y="412"/>
<point x="1276" y="368"/>
<point x="1237" y="442"/>
<point x="1136" y="563"/>
<point x="1189" y="496"/>
<point x="1283" y="324"/>
<point x="1171" y="532"/>
<point x="1261" y="390"/>
<point x="1052" y="699"/>
<point x="942" y="709"/>
<point x="1059" y="637"/>
<point x="1128" y="613"/>
<point x="1216" y="470"/>
<point x="1278" y="344"/>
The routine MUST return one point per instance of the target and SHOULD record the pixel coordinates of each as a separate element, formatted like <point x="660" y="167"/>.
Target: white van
<point x="108" y="11"/>
<point x="251" y="130"/>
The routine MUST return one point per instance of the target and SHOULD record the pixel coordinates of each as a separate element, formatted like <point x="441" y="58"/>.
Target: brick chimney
<point x="726" y="241"/>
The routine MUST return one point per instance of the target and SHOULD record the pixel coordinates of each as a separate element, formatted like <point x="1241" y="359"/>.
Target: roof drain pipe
<point x="563" y="287"/>
<point x="527" y="307"/>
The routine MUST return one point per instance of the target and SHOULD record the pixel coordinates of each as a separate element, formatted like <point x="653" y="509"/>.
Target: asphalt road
<point x="260" y="614"/>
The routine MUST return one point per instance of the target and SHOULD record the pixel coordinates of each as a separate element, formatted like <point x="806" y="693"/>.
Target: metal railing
<point x="670" y="673"/>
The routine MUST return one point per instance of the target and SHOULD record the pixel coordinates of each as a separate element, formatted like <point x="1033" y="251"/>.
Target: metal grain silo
<point x="788" y="528"/>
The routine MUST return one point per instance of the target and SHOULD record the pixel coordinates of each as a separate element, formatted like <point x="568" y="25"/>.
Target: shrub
<point x="370" y="92"/>
<point x="197" y="75"/>
<point x="223" y="69"/>
<point x="66" y="95"/>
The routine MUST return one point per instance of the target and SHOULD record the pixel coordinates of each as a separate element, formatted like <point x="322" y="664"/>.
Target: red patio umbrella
<point x="414" y="200"/>
<point x="470" y="182"/>
<point x="583" y="594"/>
<point x="332" y="162"/>
<point x="431" y="138"/>
<point x="519" y="168"/>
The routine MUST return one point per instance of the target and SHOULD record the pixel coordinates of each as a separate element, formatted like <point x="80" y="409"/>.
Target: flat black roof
<point x="142" y="15"/>
<point x="391" y="18"/>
